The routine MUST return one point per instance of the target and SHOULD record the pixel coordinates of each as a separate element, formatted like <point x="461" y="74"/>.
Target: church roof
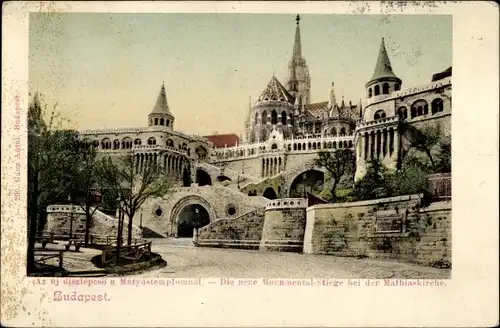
<point x="317" y="109"/>
<point x="441" y="75"/>
<point x="161" y="106"/>
<point x="223" y="140"/>
<point x="275" y="91"/>
<point x="383" y="67"/>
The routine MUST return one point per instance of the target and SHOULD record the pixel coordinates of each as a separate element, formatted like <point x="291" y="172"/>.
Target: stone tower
<point x="377" y="136"/>
<point x="273" y="110"/>
<point x="299" y="83"/>
<point x="161" y="115"/>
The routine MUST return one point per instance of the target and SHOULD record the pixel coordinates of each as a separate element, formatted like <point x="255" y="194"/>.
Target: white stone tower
<point x="161" y="115"/>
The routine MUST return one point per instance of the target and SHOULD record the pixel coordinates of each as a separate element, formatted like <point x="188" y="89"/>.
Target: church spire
<point x="297" y="46"/>
<point x="161" y="115"/>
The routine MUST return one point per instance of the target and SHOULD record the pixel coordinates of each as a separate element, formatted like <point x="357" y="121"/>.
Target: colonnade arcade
<point x="378" y="143"/>
<point x="171" y="163"/>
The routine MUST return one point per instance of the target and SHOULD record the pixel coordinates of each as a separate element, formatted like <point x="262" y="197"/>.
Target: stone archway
<point x="188" y="206"/>
<point x="311" y="180"/>
<point x="203" y="178"/>
<point x="269" y="193"/>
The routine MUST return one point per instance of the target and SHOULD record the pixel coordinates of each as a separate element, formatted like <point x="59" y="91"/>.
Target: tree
<point x="444" y="156"/>
<point x="132" y="187"/>
<point x="186" y="177"/>
<point x="51" y="156"/>
<point x="87" y="177"/>
<point x="338" y="163"/>
<point x="374" y="182"/>
<point x="425" y="140"/>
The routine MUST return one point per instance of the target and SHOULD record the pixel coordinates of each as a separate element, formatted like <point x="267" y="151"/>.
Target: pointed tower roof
<point x="297" y="46"/>
<point x="383" y="68"/>
<point x="161" y="106"/>
<point x="275" y="91"/>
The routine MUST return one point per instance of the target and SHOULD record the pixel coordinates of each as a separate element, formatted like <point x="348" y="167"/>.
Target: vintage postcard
<point x="249" y="164"/>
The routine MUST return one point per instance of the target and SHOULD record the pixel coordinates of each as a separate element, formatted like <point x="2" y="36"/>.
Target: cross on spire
<point x="297" y="19"/>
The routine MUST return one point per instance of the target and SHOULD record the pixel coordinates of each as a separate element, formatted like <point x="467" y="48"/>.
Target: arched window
<point x="263" y="119"/>
<point x="369" y="93"/>
<point x="95" y="144"/>
<point x="106" y="143"/>
<point x="156" y="121"/>
<point x="168" y="122"/>
<point x="379" y="114"/>
<point x="127" y="143"/>
<point x="162" y="121"/>
<point x="263" y="135"/>
<point x="152" y="141"/>
<point x="274" y="146"/>
<point x="377" y="90"/>
<point x="334" y="132"/>
<point x="274" y="117"/>
<point x="437" y="105"/>
<point x="418" y="108"/>
<point x="116" y="144"/>
<point x="169" y="143"/>
<point x="283" y="118"/>
<point x="137" y="142"/>
<point x="403" y="112"/>
<point x="342" y="132"/>
<point x="397" y="87"/>
<point x="385" y="88"/>
<point x="184" y="146"/>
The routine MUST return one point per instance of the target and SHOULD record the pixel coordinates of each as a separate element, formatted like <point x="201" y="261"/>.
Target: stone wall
<point x="284" y="225"/>
<point x="400" y="228"/>
<point x="59" y="222"/>
<point x="242" y="232"/>
<point x="160" y="215"/>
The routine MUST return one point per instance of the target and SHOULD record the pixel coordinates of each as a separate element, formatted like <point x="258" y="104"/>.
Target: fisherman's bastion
<point x="252" y="192"/>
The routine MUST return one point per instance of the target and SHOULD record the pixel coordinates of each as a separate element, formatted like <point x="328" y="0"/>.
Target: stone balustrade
<point x="284" y="203"/>
<point x="137" y="148"/>
<point x="288" y="146"/>
<point x="65" y="209"/>
<point x="385" y="120"/>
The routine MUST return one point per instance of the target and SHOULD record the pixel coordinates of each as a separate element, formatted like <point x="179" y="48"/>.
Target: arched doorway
<point x="311" y="181"/>
<point x="190" y="217"/>
<point x="203" y="178"/>
<point x="269" y="193"/>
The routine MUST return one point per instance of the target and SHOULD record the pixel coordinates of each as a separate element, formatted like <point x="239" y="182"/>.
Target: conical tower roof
<point x="275" y="91"/>
<point x="383" y="69"/>
<point x="161" y="106"/>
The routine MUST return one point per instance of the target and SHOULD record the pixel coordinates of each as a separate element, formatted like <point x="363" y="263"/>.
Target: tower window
<point x="156" y="121"/>
<point x="162" y="121"/>
<point x="385" y="88"/>
<point x="342" y="132"/>
<point x="377" y="90"/>
<point x="283" y="118"/>
<point x="168" y="122"/>
<point x="397" y="87"/>
<point x="274" y="117"/>
<point x="369" y="93"/>
<point x="264" y="118"/>
<point x="152" y="141"/>
<point x="419" y="108"/>
<point x="437" y="105"/>
<point x="403" y="113"/>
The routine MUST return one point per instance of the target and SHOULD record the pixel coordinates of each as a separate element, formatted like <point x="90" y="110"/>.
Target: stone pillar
<point x="382" y="146"/>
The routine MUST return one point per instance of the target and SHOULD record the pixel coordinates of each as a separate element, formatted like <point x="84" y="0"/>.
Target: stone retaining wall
<point x="390" y="228"/>
<point x="284" y="225"/>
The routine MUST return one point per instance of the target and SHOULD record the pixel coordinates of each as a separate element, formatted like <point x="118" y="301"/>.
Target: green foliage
<point x="326" y="195"/>
<point x="443" y="163"/>
<point x="51" y="156"/>
<point x="374" y="184"/>
<point x="132" y="187"/>
<point x="337" y="163"/>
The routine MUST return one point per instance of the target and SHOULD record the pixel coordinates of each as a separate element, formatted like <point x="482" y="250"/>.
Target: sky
<point x="105" y="70"/>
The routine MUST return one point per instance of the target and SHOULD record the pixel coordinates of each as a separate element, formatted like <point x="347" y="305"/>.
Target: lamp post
<point x="304" y="177"/>
<point x="196" y="223"/>
<point x="70" y="218"/>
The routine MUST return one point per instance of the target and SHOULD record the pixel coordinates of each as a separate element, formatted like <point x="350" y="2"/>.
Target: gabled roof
<point x="275" y="91"/>
<point x="317" y="109"/>
<point x="441" y="75"/>
<point x="161" y="106"/>
<point x="383" y="67"/>
<point x="223" y="140"/>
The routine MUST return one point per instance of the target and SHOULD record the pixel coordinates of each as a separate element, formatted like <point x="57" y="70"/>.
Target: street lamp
<point x="71" y="218"/>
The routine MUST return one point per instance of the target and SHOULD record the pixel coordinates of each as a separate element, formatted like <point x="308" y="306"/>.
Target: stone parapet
<point x="286" y="203"/>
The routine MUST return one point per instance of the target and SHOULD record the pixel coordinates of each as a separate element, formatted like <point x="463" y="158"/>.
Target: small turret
<point x="161" y="115"/>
